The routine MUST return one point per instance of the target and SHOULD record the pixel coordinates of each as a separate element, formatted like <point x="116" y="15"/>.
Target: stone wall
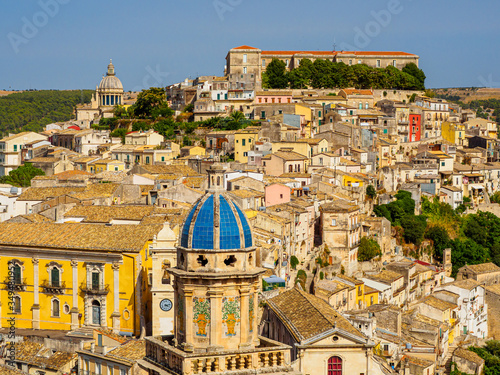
<point x="493" y="302"/>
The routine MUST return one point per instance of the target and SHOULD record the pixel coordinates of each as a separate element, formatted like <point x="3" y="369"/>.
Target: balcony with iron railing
<point x="93" y="288"/>
<point x="53" y="287"/>
<point x="269" y="357"/>
<point x="15" y="284"/>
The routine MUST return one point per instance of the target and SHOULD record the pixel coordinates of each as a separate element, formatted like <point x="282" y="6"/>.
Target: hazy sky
<point x="67" y="44"/>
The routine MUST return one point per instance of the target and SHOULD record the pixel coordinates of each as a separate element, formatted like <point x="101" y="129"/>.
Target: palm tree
<point x="237" y="116"/>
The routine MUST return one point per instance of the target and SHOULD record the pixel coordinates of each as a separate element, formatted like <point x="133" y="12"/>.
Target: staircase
<point x="447" y="360"/>
<point x="82" y="332"/>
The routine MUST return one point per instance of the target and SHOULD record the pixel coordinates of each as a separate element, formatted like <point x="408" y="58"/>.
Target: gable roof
<point x="89" y="237"/>
<point x="44" y="193"/>
<point x="104" y="214"/>
<point x="439" y="303"/>
<point x="468" y="355"/>
<point x="131" y="351"/>
<point x="307" y="316"/>
<point x="482" y="268"/>
<point x="244" y="47"/>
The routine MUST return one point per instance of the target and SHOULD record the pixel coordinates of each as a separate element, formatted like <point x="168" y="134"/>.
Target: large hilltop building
<point x="108" y="94"/>
<point x="245" y="64"/>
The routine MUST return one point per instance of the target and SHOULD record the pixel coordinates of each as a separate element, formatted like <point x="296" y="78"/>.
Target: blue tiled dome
<point x="216" y="222"/>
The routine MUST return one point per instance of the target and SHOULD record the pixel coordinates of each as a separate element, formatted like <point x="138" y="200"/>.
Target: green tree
<point x="491" y="355"/>
<point x="368" y="249"/>
<point x="161" y="111"/>
<point x="149" y="100"/>
<point x="165" y="127"/>
<point x="22" y="175"/>
<point x="370" y="192"/>
<point x="301" y="279"/>
<point x="466" y="252"/>
<point x="413" y="70"/>
<point x="120" y="132"/>
<point x="237" y="116"/>
<point x="294" y="261"/>
<point x="495" y="198"/>
<point x="276" y="74"/>
<point x="141" y="126"/>
<point x="414" y="228"/>
<point x="440" y="238"/>
<point x="382" y="211"/>
<point x="120" y="111"/>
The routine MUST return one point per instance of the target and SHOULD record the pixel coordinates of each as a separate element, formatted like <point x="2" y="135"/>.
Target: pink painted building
<point x="276" y="194"/>
<point x="277" y="97"/>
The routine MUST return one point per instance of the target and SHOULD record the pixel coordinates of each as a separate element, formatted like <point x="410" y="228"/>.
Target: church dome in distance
<point x="216" y="223"/>
<point x="110" y="81"/>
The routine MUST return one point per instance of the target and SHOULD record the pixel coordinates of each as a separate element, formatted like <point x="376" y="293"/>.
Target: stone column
<point x="215" y="296"/>
<point x="116" y="297"/>
<point x="255" y="333"/>
<point x="74" y="309"/>
<point x="244" y="318"/>
<point x="35" y="309"/>
<point x="188" y="320"/>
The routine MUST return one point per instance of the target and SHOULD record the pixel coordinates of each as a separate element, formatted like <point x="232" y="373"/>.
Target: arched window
<point x="335" y="366"/>
<point x="55" y="307"/>
<point x="16" y="269"/>
<point x="16" y="300"/>
<point x="218" y="180"/>
<point x="55" y="277"/>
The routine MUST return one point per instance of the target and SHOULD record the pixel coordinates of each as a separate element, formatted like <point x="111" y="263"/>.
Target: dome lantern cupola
<point x="111" y="68"/>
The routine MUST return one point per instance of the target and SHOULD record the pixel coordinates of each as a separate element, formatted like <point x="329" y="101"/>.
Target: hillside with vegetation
<point x="32" y="110"/>
<point x="473" y="238"/>
<point x="330" y="75"/>
<point x="485" y="102"/>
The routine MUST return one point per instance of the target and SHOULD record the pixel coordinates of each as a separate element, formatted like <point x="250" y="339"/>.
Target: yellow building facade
<point x="106" y="165"/>
<point x="243" y="142"/>
<point x="370" y="296"/>
<point x="453" y="133"/>
<point x="349" y="180"/>
<point x="67" y="276"/>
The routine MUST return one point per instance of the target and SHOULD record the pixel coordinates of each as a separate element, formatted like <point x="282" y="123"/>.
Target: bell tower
<point x="216" y="280"/>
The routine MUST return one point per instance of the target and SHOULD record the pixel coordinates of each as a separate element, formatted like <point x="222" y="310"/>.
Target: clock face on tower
<point x="166" y="304"/>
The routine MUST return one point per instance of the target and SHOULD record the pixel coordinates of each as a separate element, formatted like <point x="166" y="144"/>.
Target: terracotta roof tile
<point x="131" y="350"/>
<point x="483" y="268"/>
<point x="43" y="193"/>
<point x="468" y="355"/>
<point x="307" y="316"/>
<point x="90" y="237"/>
<point x="244" y="47"/>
